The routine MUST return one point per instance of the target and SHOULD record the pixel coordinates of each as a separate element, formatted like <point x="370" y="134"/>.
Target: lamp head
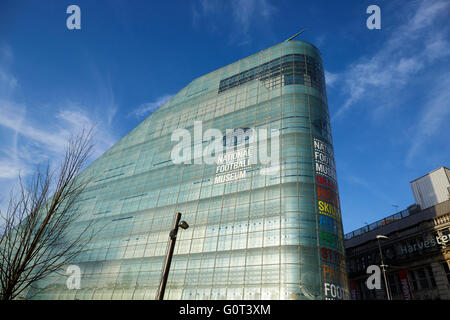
<point x="184" y="225"/>
<point x="382" y="237"/>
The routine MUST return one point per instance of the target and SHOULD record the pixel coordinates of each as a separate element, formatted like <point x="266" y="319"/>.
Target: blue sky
<point x="388" y="89"/>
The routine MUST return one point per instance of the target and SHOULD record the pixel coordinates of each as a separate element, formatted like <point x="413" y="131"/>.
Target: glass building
<point x="253" y="234"/>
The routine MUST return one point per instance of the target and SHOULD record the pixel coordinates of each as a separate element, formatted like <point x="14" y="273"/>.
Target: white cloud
<point x="29" y="138"/>
<point x="8" y="83"/>
<point x="105" y="93"/>
<point x="433" y="120"/>
<point x="244" y="14"/>
<point x="427" y="11"/>
<point x="408" y="51"/>
<point x="47" y="140"/>
<point x="147" y="108"/>
<point x="13" y="118"/>
<point x="10" y="169"/>
<point x="330" y="78"/>
<point x="74" y="118"/>
<point x="245" y="11"/>
<point x="384" y="81"/>
<point x="365" y="183"/>
<point x="210" y="6"/>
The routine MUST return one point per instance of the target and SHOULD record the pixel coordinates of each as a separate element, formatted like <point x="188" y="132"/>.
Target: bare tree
<point x="35" y="237"/>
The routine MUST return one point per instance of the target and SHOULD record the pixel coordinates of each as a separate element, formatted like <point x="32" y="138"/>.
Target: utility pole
<point x="173" y="238"/>
<point x="383" y="266"/>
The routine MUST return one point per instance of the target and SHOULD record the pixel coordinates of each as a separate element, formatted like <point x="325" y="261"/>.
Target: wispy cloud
<point x="320" y="40"/>
<point x="330" y="78"/>
<point x="246" y="11"/>
<point x="210" y="6"/>
<point x="409" y="72"/>
<point x="364" y="183"/>
<point x="73" y="118"/>
<point x="205" y="9"/>
<point x="30" y="138"/>
<point x="409" y="50"/>
<point x="434" y="119"/>
<point x="243" y="13"/>
<point x="145" y="109"/>
<point x="8" y="83"/>
<point x="105" y="93"/>
<point x="13" y="118"/>
<point x="34" y="142"/>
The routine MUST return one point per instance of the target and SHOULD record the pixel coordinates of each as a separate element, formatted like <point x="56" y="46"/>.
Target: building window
<point x="290" y="69"/>
<point x="390" y="253"/>
<point x="358" y="264"/>
<point x="393" y="283"/>
<point x="447" y="271"/>
<point x="352" y="265"/>
<point x="412" y="276"/>
<point x="422" y="278"/>
<point x="431" y="277"/>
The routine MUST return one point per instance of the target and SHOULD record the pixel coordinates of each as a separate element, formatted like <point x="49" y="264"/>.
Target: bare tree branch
<point x="35" y="237"/>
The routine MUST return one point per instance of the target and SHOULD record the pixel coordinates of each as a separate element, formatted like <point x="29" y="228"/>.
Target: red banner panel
<point x="406" y="288"/>
<point x="354" y="290"/>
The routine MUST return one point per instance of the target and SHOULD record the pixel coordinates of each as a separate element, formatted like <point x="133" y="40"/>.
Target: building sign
<point x="332" y="256"/>
<point x="330" y="240"/>
<point x="233" y="166"/>
<point x="335" y="292"/>
<point x="327" y="224"/>
<point x="334" y="275"/>
<point x="425" y="242"/>
<point x="324" y="159"/>
<point x="404" y="283"/>
<point x="327" y="209"/>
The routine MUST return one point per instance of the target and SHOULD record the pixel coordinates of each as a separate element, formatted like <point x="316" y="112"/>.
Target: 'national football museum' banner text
<point x="334" y="277"/>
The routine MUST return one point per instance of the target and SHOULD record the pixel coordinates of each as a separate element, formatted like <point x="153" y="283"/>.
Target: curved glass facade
<point x="253" y="234"/>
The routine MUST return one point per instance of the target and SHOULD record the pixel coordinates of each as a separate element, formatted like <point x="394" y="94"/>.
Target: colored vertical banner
<point x="334" y="277"/>
<point x="406" y="288"/>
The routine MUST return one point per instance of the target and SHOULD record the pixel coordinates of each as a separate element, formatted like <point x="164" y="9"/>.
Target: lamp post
<point x="173" y="238"/>
<point x="383" y="266"/>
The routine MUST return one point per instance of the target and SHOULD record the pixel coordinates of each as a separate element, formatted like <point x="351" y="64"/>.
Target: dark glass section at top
<point x="286" y="70"/>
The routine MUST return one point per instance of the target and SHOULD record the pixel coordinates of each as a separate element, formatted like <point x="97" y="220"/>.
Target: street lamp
<point x="383" y="266"/>
<point x="173" y="237"/>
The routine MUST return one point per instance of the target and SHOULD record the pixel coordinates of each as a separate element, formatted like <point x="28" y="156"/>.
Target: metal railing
<point x="378" y="224"/>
